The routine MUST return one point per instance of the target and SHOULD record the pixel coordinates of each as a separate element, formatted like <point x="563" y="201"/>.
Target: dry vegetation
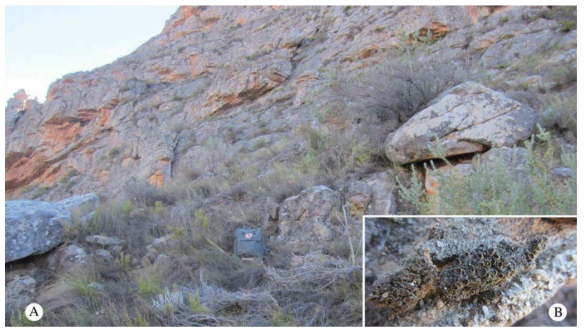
<point x="198" y="282"/>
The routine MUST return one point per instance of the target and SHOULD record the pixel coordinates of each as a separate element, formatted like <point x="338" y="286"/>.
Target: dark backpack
<point x="248" y="242"/>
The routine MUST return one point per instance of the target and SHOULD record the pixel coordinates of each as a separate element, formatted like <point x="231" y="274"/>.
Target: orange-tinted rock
<point x="432" y="177"/>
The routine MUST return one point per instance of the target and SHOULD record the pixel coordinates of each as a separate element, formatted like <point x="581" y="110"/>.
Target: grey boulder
<point x="33" y="227"/>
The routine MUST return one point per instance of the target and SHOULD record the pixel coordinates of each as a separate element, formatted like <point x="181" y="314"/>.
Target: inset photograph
<point x="471" y="271"/>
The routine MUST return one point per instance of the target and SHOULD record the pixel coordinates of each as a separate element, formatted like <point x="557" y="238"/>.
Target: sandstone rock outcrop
<point x="208" y="74"/>
<point x="307" y="218"/>
<point x="466" y="119"/>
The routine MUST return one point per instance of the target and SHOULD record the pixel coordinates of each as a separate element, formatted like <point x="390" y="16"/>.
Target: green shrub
<point x="149" y="282"/>
<point x="160" y="209"/>
<point x="127" y="207"/>
<point x="123" y="260"/>
<point x="561" y="115"/>
<point x="493" y="189"/>
<point x="195" y="304"/>
<point x="569" y="26"/>
<point x="79" y="282"/>
<point x="41" y="191"/>
<point x="114" y="152"/>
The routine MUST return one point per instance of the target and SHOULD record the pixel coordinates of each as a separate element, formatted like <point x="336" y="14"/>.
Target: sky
<point x="44" y="43"/>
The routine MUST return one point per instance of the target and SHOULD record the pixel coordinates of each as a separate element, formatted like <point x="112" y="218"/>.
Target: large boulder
<point x="33" y="227"/>
<point x="465" y="119"/>
<point x="306" y="219"/>
<point x="83" y="206"/>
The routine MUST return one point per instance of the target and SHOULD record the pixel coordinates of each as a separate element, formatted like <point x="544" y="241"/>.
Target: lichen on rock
<point x="473" y="271"/>
<point x="487" y="268"/>
<point x="402" y="290"/>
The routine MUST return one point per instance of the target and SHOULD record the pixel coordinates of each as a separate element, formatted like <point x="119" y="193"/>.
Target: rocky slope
<point x="246" y="76"/>
<point x="271" y="117"/>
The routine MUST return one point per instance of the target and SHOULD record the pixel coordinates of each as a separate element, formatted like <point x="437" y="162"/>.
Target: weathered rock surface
<point x="19" y="292"/>
<point x="66" y="257"/>
<point x="242" y="73"/>
<point x="383" y="200"/>
<point x="539" y="269"/>
<point x="358" y="195"/>
<point x="433" y="177"/>
<point x="307" y="218"/>
<point x="33" y="227"/>
<point x="82" y="206"/>
<point x="468" y="118"/>
<point x="104" y="241"/>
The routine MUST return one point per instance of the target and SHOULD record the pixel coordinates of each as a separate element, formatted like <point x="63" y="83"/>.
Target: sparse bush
<point x="114" y="152"/>
<point x="195" y="304"/>
<point x="397" y="89"/>
<point x="149" y="282"/>
<point x="561" y="115"/>
<point x="493" y="189"/>
<point x="123" y="260"/>
<point x="127" y="207"/>
<point x="569" y="26"/>
<point x="160" y="209"/>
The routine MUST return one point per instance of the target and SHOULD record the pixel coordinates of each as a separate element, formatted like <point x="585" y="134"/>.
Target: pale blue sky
<point x="45" y="43"/>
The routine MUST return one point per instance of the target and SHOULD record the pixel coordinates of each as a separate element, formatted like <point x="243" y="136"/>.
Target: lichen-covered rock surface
<point x="487" y="271"/>
<point x="35" y="227"/>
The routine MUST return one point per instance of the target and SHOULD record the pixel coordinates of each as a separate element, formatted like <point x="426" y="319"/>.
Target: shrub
<point x="494" y="189"/>
<point x="79" y="281"/>
<point x="114" y="152"/>
<point x="149" y="282"/>
<point x="127" y="207"/>
<point x="123" y="260"/>
<point x="195" y="304"/>
<point x="561" y="115"/>
<point x="169" y="301"/>
<point x="396" y="89"/>
<point x="160" y="209"/>
<point x="569" y="26"/>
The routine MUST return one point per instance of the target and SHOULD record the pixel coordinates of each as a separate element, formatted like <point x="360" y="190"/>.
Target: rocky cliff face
<point x="276" y="117"/>
<point x="243" y="74"/>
